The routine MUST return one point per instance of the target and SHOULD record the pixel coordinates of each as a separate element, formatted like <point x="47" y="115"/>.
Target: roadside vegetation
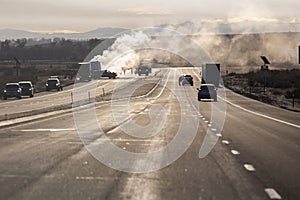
<point x="277" y="87"/>
<point x="46" y="49"/>
<point x="42" y="58"/>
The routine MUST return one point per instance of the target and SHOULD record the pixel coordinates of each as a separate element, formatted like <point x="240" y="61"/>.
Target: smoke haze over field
<point x="153" y="44"/>
<point x="121" y="54"/>
<point x="242" y="52"/>
<point x="236" y="53"/>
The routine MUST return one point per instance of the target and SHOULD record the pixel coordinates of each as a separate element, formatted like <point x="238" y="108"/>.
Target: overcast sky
<point x="72" y="15"/>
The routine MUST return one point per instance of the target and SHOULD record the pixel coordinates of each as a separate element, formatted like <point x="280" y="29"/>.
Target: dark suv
<point x="12" y="90"/>
<point x="186" y="79"/>
<point x="207" y="91"/>
<point x="144" y="69"/>
<point x="27" y="88"/>
<point x="53" y="84"/>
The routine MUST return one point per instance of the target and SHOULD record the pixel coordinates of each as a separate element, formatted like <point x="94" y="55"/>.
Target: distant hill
<point x="97" y="33"/>
<point x="187" y="27"/>
<point x="16" y="34"/>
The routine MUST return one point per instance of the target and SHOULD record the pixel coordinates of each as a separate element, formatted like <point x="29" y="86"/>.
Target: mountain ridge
<point x="184" y="28"/>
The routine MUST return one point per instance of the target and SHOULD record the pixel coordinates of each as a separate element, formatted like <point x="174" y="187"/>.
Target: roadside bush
<point x="294" y="93"/>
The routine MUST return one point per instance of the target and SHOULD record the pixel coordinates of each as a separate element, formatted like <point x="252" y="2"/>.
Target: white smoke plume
<point x="121" y="55"/>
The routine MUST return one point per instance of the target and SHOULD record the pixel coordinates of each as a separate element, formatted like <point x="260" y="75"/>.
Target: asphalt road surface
<point x="256" y="155"/>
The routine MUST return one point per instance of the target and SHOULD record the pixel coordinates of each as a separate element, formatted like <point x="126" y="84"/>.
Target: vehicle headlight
<point x="30" y="89"/>
<point x="19" y="90"/>
<point x="4" y="91"/>
<point x="56" y="84"/>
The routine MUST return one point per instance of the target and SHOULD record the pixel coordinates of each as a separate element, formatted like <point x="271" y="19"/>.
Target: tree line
<point x="58" y="49"/>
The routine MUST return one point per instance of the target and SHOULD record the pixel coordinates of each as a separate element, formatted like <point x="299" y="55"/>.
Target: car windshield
<point x="12" y="87"/>
<point x="207" y="87"/>
<point x="25" y="85"/>
<point x="52" y="81"/>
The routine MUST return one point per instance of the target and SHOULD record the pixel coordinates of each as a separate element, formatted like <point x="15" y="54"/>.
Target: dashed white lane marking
<point x="206" y="121"/>
<point x="203" y="118"/>
<point x="209" y="125"/>
<point x="249" y="167"/>
<point x="214" y="129"/>
<point x="48" y="130"/>
<point x="225" y="142"/>
<point x="235" y="152"/>
<point x="272" y="193"/>
<point x="54" y="142"/>
<point x="219" y="134"/>
<point x="23" y="176"/>
<point x="13" y="176"/>
<point x="261" y="115"/>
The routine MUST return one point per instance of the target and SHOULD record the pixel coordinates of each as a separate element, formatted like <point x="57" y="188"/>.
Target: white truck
<point x="92" y="70"/>
<point x="211" y="74"/>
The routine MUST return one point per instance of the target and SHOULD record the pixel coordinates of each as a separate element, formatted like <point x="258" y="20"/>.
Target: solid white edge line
<point x="261" y="115"/>
<point x="272" y="193"/>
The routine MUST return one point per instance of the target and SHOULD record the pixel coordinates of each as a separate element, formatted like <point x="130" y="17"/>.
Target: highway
<point x="69" y="155"/>
<point x="44" y="101"/>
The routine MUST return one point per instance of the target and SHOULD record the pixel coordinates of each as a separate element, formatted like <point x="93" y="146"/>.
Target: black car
<point x="53" y="84"/>
<point x="12" y="90"/>
<point x="144" y="69"/>
<point x="110" y="75"/>
<point x="27" y="88"/>
<point x="186" y="79"/>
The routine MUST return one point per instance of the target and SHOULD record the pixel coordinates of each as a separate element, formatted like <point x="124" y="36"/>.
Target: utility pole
<point x="18" y="69"/>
